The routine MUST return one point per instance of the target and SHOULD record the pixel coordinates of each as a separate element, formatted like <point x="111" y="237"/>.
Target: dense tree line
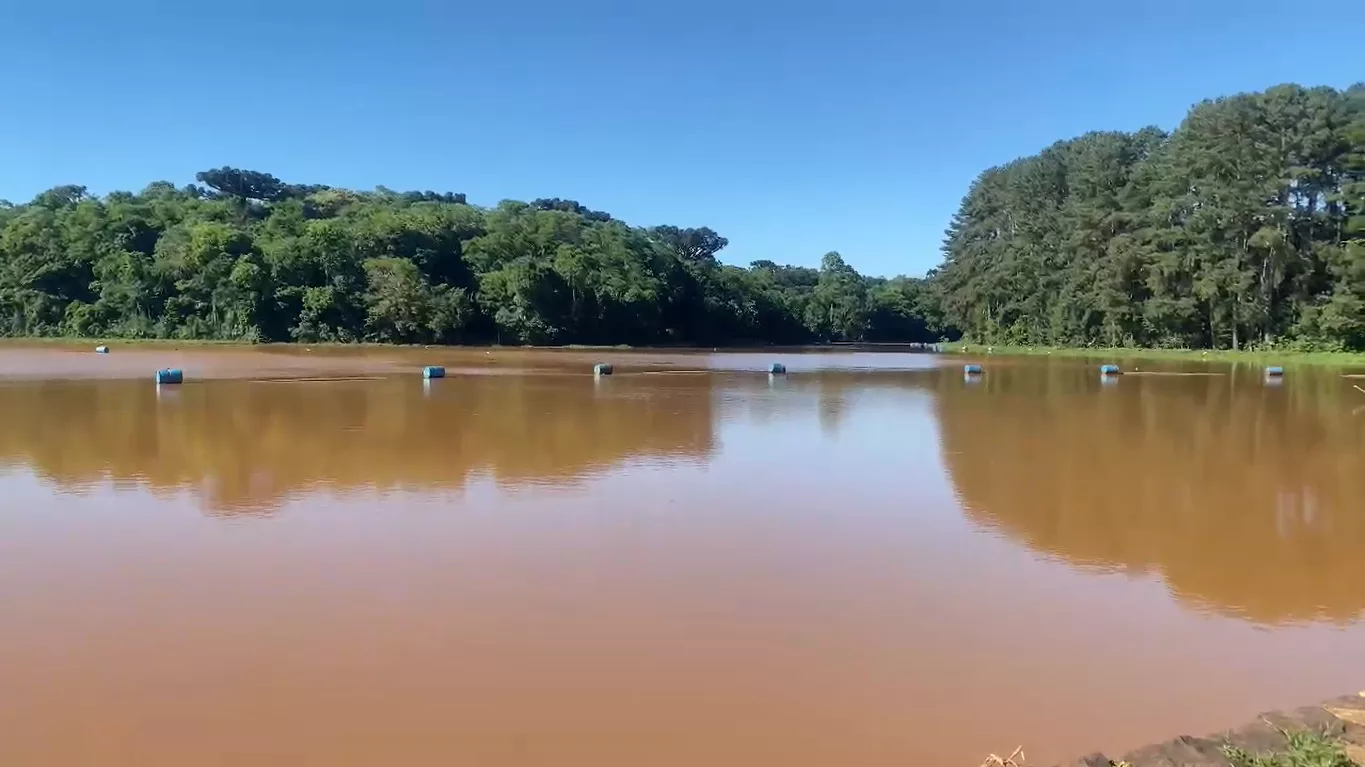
<point x="1245" y="226"/>
<point x="242" y="255"/>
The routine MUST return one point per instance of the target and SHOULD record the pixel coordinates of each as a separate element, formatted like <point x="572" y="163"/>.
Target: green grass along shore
<point x="1256" y="357"/>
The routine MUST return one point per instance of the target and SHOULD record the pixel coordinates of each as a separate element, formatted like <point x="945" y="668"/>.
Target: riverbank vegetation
<point x="242" y="255"/>
<point x="1302" y="749"/>
<point x="1245" y="227"/>
<point x="1252" y="355"/>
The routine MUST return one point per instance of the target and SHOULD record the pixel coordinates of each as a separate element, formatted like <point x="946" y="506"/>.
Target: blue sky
<point x="790" y="128"/>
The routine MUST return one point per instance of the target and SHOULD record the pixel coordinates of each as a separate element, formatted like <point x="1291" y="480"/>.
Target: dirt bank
<point x="1341" y="719"/>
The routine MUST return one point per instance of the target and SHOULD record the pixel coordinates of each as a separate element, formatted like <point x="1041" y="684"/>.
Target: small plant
<point x="1304" y="749"/>
<point x="1015" y="759"/>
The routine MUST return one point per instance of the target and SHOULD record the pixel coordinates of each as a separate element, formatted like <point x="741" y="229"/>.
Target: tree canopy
<point x="244" y="255"/>
<point x="1245" y="226"/>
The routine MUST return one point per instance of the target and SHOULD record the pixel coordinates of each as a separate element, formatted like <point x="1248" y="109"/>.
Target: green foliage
<point x="249" y="257"/>
<point x="402" y="307"/>
<point x="1304" y="749"/>
<point x="1244" y="227"/>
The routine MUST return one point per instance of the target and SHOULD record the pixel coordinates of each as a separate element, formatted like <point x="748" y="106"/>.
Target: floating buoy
<point x="1110" y="370"/>
<point x="971" y="370"/>
<point x="601" y="369"/>
<point x="101" y="350"/>
<point x="1274" y="371"/>
<point x="169" y="376"/>
<point x="777" y="369"/>
<point x="433" y="371"/>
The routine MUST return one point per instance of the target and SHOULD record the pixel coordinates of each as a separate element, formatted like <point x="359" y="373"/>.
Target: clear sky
<point x="792" y="128"/>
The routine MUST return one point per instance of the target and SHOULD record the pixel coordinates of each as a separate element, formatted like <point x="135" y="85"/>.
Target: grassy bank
<point x="1258" y="357"/>
<point x="1303" y="749"/>
<point x="1100" y="354"/>
<point x="1330" y="734"/>
<point x="1300" y="749"/>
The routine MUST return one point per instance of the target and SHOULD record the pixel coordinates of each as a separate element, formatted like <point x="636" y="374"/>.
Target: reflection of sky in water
<point x="865" y="445"/>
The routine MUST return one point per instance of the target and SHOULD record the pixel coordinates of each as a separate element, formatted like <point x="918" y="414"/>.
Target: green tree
<point x="838" y="307"/>
<point x="243" y="255"/>
<point x="1231" y="231"/>
<point x="401" y="307"/>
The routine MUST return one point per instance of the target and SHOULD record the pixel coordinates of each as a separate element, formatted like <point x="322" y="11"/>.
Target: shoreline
<point x="841" y="346"/>
<point x="1340" y="359"/>
<point x="1340" y="720"/>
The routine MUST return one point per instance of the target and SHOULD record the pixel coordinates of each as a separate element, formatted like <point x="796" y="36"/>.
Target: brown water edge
<point x="1341" y="719"/>
<point x="870" y="561"/>
<point x="34" y="360"/>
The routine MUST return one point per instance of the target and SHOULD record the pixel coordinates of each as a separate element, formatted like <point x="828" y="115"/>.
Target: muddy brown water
<point x="869" y="561"/>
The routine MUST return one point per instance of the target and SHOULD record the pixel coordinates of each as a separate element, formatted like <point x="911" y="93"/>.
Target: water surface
<point x="870" y="561"/>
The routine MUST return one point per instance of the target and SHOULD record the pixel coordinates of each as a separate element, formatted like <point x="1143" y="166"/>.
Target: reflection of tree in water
<point x="245" y="446"/>
<point x="1246" y="500"/>
<point x="833" y="404"/>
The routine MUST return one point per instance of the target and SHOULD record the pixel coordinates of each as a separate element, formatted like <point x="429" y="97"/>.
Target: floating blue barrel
<point x="601" y="369"/>
<point x="433" y="371"/>
<point x="169" y="376"/>
<point x="101" y="350"/>
<point x="1109" y="370"/>
<point x="971" y="370"/>
<point x="777" y="369"/>
<point x="1274" y="371"/>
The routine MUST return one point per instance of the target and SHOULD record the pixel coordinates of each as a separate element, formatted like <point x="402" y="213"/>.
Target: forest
<point x="1244" y="227"/>
<point x="242" y="255"/>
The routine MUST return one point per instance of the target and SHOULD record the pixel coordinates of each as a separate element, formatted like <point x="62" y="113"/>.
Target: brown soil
<point x="1341" y="718"/>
